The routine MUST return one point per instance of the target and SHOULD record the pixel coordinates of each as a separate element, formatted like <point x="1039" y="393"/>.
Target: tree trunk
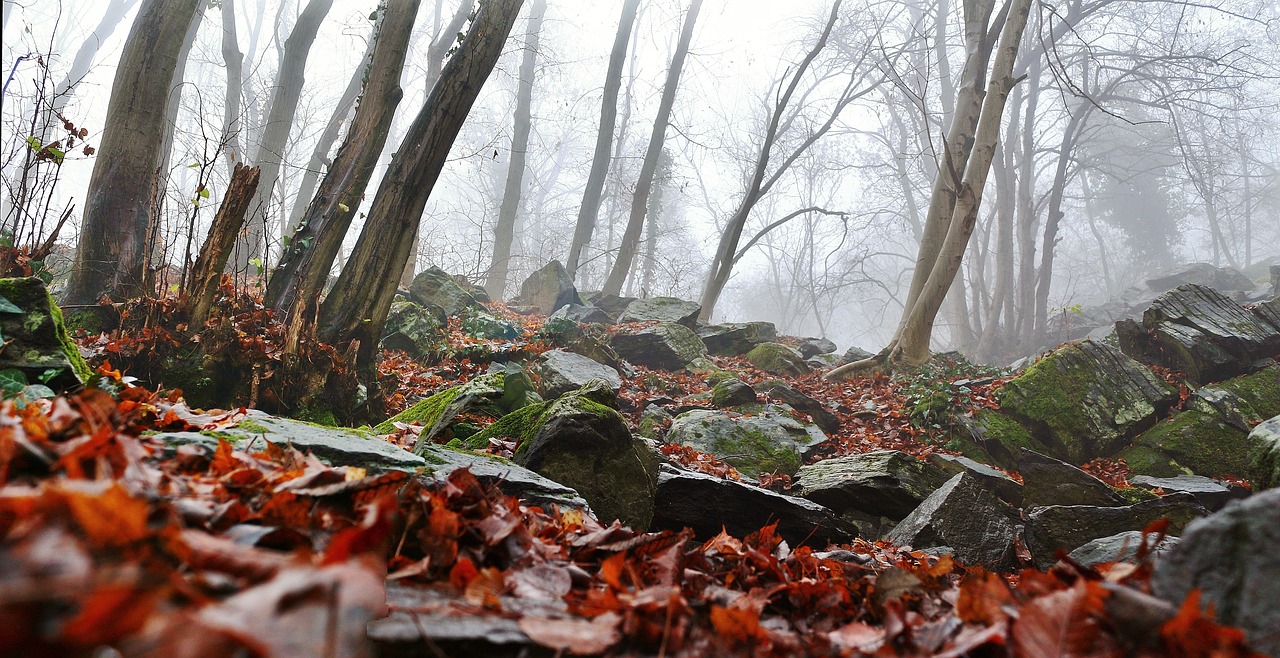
<point x="112" y="247"/>
<point x="279" y="126"/>
<point x="1053" y="218"/>
<point x="234" y="62"/>
<point x="589" y="211"/>
<point x="356" y="308"/>
<point x="504" y="232"/>
<point x="644" y="184"/>
<point x="206" y="274"/>
<point x="308" y="258"/>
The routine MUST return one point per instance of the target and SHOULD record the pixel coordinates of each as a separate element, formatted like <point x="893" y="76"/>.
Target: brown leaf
<point x="110" y="516"/>
<point x="1063" y="624"/>
<point x="580" y="637"/>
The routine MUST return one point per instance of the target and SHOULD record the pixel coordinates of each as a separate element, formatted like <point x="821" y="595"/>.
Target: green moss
<point x="1261" y="391"/>
<point x="1148" y="461"/>
<point x="519" y="425"/>
<point x="426" y="412"/>
<point x="1135" y="495"/>
<point x="751" y="451"/>
<point x="777" y="359"/>
<point x="970" y="448"/>
<point x="317" y="416"/>
<point x="1003" y="438"/>
<point x="253" y="426"/>
<point x="719" y="376"/>
<point x="1201" y="442"/>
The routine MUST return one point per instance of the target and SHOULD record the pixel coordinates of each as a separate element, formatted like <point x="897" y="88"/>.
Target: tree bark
<point x="206" y="274"/>
<point x="644" y="184"/>
<point x="307" y="259"/>
<point x="589" y="211"/>
<point x="357" y="307"/>
<point x="112" y="247"/>
<point x="234" y="62"/>
<point x="504" y="232"/>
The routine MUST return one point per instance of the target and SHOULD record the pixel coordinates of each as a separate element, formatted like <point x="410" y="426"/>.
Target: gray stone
<point x="1231" y="558"/>
<point x="778" y="359"/>
<point x="35" y="340"/>
<point x="884" y="483"/>
<point x="611" y="304"/>
<point x="435" y="286"/>
<point x="814" y="346"/>
<point x="479" y="323"/>
<point x="548" y="289"/>
<point x="1086" y="400"/>
<point x="1048" y="481"/>
<point x="1069" y="527"/>
<point x="966" y="516"/>
<point x="662" y="309"/>
<point x="768" y="440"/>
<point x="430" y="617"/>
<point x="736" y="338"/>
<point x="1003" y="486"/>
<point x="583" y="314"/>
<point x="1264" y="454"/>
<point x="415" y="329"/>
<point x="707" y="504"/>
<point x="664" y="346"/>
<point x="654" y="421"/>
<point x="731" y="393"/>
<point x="560" y="372"/>
<point x="855" y="353"/>
<point x="1211" y="493"/>
<point x="1205" y="274"/>
<point x="824" y="361"/>
<point x="822" y="416"/>
<point x="339" y="446"/>
<point x="1120" y="547"/>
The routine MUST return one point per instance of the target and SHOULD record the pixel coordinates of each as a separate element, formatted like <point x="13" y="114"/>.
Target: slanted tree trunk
<point x="504" y="231"/>
<point x="356" y="308"/>
<point x="589" y="211"/>
<point x="279" y="125"/>
<point x="206" y="274"/>
<point x="644" y="184"/>
<point x="307" y="259"/>
<point x="112" y="247"/>
<point x="970" y="148"/>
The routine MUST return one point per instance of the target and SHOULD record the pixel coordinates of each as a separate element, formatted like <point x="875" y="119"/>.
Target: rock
<point x="736" y="338"/>
<point x="822" y="416"/>
<point x="707" y="504"/>
<point x="582" y="442"/>
<point x="429" y="617"/>
<point x="993" y="437"/>
<point x="494" y="394"/>
<point x="1120" y="547"/>
<point x="664" y="346"/>
<point x="662" y="309"/>
<point x="1069" y="527"/>
<point x="1269" y="311"/>
<point x="965" y="515"/>
<point x="611" y="304"/>
<point x="1086" y="400"/>
<point x="561" y="372"/>
<point x="1190" y="441"/>
<point x="1212" y="494"/>
<point x="583" y="314"/>
<point x="824" y="361"/>
<point x="417" y="330"/>
<point x="731" y="393"/>
<point x="1231" y="558"/>
<point x="654" y="421"/>
<point x="600" y="352"/>
<point x="814" y="346"/>
<point x="435" y="286"/>
<point x="1003" y="486"/>
<point x="855" y="353"/>
<point x="479" y="323"/>
<point x="1204" y="274"/>
<point x="549" y="289"/>
<point x="1264" y="454"/>
<point x="1199" y="331"/>
<point x="1048" y="481"/>
<point x="767" y="441"/>
<point x="777" y="359"/>
<point x="35" y="339"/>
<point x="1255" y="396"/>
<point x="884" y="483"/>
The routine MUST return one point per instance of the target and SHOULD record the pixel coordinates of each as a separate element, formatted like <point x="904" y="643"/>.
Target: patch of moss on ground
<point x="1201" y="442"/>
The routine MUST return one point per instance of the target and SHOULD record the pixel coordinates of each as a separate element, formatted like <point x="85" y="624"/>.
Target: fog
<point x="1142" y="135"/>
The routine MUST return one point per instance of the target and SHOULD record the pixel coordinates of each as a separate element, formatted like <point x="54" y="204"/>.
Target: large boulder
<point x="663" y="346"/>
<point x="966" y="517"/>
<point x="732" y="392"/>
<point x="1086" y="400"/>
<point x="582" y="314"/>
<point x="415" y="329"/>
<point x="1211" y="493"/>
<point x="778" y="359"/>
<point x="581" y="441"/>
<point x="1068" y="527"/>
<point x="1199" y="331"/>
<point x="855" y="353"/>
<point x="548" y="289"/>
<point x="1048" y="481"/>
<point x="993" y="437"/>
<point x="884" y="483"/>
<point x="1204" y="274"/>
<point x="768" y="440"/>
<point x="1003" y="486"/>
<point x="35" y="340"/>
<point x="1264" y="454"/>
<point x="1120" y="547"/>
<point x="814" y="346"/>
<point x="709" y="504"/>
<point x="560" y="372"/>
<point x="435" y="286"/>
<point x="662" y="309"/>
<point x="735" y="338"/>
<point x="1231" y="558"/>
<point x="480" y="323"/>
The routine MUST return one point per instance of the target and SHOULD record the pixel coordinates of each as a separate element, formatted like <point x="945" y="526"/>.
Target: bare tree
<point x="504" y="231"/>
<point x="644" y="184"/>
<point x="112" y="247"/>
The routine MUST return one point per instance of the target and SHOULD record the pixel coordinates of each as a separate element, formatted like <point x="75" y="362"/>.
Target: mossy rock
<point x="1260" y="391"/>
<point x="771" y="440"/>
<point x="1203" y="443"/>
<point x="481" y="324"/>
<point x="35" y="338"/>
<point x="778" y="359"/>
<point x="664" y="346"/>
<point x="1149" y="461"/>
<point x="417" y="330"/>
<point x="1264" y="454"/>
<point x="996" y="435"/>
<point x="1086" y="400"/>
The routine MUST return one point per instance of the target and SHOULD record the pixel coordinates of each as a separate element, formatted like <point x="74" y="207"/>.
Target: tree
<point x="957" y="193"/>
<point x="356" y="308"/>
<point x="112" y="248"/>
<point x="644" y="184"/>
<point x="589" y="211"/>
<point x="308" y="256"/>
<point x="504" y="231"/>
